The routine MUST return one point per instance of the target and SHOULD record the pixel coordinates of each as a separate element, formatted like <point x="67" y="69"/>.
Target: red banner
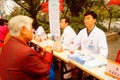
<point x="45" y="6"/>
<point x="112" y="2"/>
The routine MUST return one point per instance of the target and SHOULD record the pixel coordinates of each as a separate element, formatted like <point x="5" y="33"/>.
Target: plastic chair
<point x="118" y="57"/>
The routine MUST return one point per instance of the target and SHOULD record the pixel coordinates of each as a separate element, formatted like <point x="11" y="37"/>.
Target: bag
<point x="52" y="75"/>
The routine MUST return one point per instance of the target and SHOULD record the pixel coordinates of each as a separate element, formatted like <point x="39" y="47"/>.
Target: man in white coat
<point x="66" y="40"/>
<point x="92" y="39"/>
<point x="68" y="33"/>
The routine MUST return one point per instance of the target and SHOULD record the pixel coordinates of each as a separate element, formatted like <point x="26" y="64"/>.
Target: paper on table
<point x="80" y="57"/>
<point x="94" y="63"/>
<point x="101" y="71"/>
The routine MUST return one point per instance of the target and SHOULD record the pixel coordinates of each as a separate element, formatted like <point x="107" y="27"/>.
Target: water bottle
<point x="72" y="48"/>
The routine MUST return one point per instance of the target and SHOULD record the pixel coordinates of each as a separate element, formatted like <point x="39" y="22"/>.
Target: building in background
<point x="2" y="9"/>
<point x="6" y="7"/>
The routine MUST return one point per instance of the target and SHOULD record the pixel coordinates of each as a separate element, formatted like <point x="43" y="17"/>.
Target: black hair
<point x="35" y="24"/>
<point x="66" y="20"/>
<point x="2" y="22"/>
<point x="92" y="13"/>
<point x="6" y="21"/>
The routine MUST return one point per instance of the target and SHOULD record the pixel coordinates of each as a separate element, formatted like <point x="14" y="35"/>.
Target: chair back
<point x="118" y="57"/>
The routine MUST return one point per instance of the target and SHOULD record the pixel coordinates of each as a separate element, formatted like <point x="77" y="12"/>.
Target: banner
<point x="44" y="6"/>
<point x="54" y="18"/>
<point x="114" y="2"/>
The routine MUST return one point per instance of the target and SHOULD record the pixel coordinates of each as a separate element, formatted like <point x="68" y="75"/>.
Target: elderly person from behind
<point x="17" y="60"/>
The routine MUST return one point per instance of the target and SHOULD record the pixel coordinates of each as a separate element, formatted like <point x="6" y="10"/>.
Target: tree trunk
<point x="35" y="24"/>
<point x="74" y="12"/>
<point x="75" y="6"/>
<point x="110" y="21"/>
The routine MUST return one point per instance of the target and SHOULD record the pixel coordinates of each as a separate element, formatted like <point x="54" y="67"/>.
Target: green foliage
<point x="118" y="33"/>
<point x="77" y="23"/>
<point x="118" y="15"/>
<point x="46" y="27"/>
<point x="102" y="27"/>
<point x="17" y="11"/>
<point x="77" y="27"/>
<point x="76" y="19"/>
<point x="73" y="8"/>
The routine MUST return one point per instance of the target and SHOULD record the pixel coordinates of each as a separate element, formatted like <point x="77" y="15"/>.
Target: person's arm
<point x="76" y="41"/>
<point x="69" y="36"/>
<point x="35" y="66"/>
<point x="48" y="54"/>
<point x="103" y="48"/>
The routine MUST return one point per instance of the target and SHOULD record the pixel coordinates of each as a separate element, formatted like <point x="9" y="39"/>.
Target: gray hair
<point x="17" y="22"/>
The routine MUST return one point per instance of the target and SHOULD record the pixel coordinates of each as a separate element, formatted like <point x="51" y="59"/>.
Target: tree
<point x="111" y="9"/>
<point x="32" y="7"/>
<point x="75" y="6"/>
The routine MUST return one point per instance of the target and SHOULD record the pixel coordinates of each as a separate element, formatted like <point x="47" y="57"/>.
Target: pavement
<point x="113" y="47"/>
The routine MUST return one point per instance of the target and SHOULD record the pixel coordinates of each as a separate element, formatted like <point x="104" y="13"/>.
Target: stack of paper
<point x="94" y="63"/>
<point x="80" y="57"/>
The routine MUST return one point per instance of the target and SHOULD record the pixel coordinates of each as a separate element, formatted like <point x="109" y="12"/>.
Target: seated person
<point x="91" y="39"/>
<point x="40" y="33"/>
<point x="66" y="39"/>
<point x="3" y="31"/>
<point x="18" y="61"/>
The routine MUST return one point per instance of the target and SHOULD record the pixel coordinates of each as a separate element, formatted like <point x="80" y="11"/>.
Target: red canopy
<point x="45" y="6"/>
<point x="112" y="2"/>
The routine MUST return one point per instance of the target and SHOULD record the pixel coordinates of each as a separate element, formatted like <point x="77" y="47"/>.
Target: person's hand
<point x="48" y="49"/>
<point x="37" y="37"/>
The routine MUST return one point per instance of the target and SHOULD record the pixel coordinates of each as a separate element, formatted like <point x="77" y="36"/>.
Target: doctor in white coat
<point x="68" y="33"/>
<point x="66" y="39"/>
<point x="92" y="39"/>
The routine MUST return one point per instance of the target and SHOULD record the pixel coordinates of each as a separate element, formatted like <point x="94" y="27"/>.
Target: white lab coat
<point x="68" y="36"/>
<point x="66" y="39"/>
<point x="40" y="32"/>
<point x="95" y="43"/>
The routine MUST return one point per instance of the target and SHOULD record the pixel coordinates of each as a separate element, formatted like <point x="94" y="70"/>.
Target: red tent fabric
<point x="114" y="2"/>
<point x="118" y="57"/>
<point x="45" y="6"/>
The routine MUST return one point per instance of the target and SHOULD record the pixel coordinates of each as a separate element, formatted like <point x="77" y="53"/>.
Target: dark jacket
<point x="20" y="62"/>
